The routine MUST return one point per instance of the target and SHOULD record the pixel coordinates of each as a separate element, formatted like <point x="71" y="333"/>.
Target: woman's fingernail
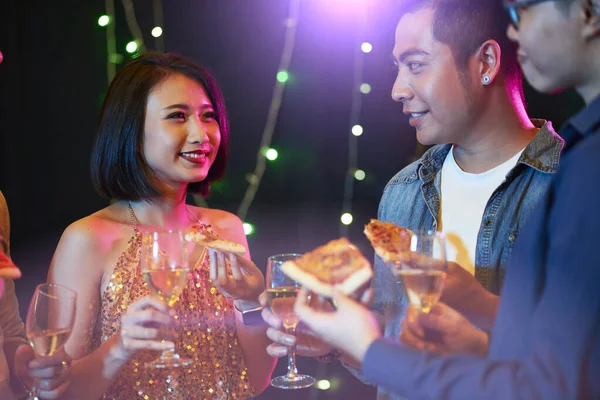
<point x="282" y="352"/>
<point x="289" y="341"/>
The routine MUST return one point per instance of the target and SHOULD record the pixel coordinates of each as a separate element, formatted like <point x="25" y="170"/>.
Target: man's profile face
<point x="428" y="82"/>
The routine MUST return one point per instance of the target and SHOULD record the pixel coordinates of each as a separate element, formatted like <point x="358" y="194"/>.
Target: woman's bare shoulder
<point x="90" y="242"/>
<point x="96" y="229"/>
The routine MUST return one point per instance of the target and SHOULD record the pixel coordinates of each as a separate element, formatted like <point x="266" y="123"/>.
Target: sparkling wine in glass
<point x="49" y="322"/>
<point x="164" y="266"/>
<point x="424" y="271"/>
<point x="282" y="292"/>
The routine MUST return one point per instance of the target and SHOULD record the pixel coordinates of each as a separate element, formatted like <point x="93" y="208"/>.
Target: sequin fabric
<point x="205" y="334"/>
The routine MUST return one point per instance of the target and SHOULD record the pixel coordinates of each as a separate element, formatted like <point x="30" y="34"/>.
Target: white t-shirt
<point x="463" y="200"/>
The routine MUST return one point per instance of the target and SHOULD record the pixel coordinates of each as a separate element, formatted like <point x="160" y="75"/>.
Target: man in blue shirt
<point x="545" y="343"/>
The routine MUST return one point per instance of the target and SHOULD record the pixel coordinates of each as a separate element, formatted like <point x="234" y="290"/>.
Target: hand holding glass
<point x="49" y="322"/>
<point x="164" y="265"/>
<point x="424" y="271"/>
<point x="282" y="292"/>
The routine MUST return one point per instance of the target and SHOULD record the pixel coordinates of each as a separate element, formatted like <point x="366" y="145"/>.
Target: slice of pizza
<point x="390" y="242"/>
<point x="227" y="246"/>
<point x="7" y="268"/>
<point x="335" y="265"/>
<point x="203" y="234"/>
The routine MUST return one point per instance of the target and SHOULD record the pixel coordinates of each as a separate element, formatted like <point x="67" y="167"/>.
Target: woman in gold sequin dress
<point x="163" y="133"/>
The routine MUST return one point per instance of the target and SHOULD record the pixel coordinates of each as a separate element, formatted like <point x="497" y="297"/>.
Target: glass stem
<point x="170" y="334"/>
<point x="34" y="393"/>
<point x="168" y="354"/>
<point x="292" y="370"/>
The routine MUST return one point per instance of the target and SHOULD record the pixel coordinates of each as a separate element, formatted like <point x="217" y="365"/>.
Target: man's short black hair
<point x="464" y="25"/>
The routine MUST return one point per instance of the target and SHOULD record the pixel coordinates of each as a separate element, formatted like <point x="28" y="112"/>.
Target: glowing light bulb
<point x="323" y="384"/>
<point x="131" y="47"/>
<point x="346" y="218"/>
<point x="104" y="20"/>
<point x="357" y="130"/>
<point x="157" y="31"/>
<point x="283" y="76"/>
<point x="248" y="228"/>
<point x="271" y="154"/>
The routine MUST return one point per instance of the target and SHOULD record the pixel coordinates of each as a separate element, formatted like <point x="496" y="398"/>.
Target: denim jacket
<point x="411" y="200"/>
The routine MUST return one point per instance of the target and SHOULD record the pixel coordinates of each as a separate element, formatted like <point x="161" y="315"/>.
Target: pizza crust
<point x="210" y="240"/>
<point x="398" y="238"/>
<point x="10" y="273"/>
<point x="349" y="285"/>
<point x="390" y="257"/>
<point x="335" y="265"/>
<point x="226" y="246"/>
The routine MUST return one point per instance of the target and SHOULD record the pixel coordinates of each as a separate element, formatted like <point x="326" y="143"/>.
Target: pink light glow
<point x="340" y="7"/>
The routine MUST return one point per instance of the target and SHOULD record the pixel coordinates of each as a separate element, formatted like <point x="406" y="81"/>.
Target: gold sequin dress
<point x="206" y="334"/>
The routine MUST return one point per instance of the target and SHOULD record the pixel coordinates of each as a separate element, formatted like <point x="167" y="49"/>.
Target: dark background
<point x="54" y="76"/>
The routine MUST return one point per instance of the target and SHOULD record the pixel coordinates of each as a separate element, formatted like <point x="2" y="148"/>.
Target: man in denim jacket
<point x="477" y="119"/>
<point x="460" y="83"/>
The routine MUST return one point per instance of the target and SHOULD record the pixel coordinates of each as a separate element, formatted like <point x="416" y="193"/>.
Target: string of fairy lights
<point x="265" y="153"/>
<point x="359" y="88"/>
<point x="135" y="46"/>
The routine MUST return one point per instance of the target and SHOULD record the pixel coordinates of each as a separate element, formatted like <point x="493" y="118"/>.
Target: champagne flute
<point x="164" y="265"/>
<point x="424" y="270"/>
<point x="282" y="292"/>
<point x="49" y="322"/>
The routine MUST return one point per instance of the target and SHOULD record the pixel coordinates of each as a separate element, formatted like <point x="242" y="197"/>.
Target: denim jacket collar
<point x="542" y="154"/>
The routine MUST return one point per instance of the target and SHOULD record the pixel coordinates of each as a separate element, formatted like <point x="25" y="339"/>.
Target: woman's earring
<point x="486" y="80"/>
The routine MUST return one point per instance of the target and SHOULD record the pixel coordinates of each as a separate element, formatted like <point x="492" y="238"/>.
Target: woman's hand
<point x="236" y="277"/>
<point x="306" y="342"/>
<point x="140" y="327"/>
<point x="52" y="371"/>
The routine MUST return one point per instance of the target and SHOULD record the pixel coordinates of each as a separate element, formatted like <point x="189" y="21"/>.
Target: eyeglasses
<point x="513" y="7"/>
